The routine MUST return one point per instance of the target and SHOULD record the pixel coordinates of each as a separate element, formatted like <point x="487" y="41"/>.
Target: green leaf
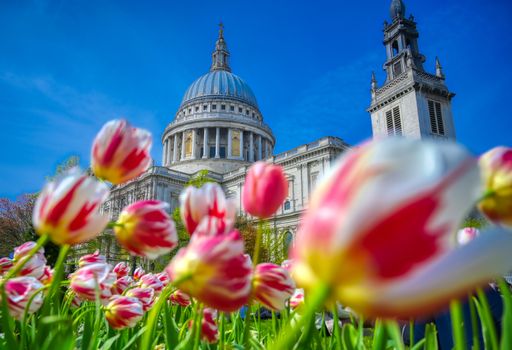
<point x="7" y="324"/>
<point x="349" y="336"/>
<point x="459" y="338"/>
<point x="506" y="332"/>
<point x="134" y="338"/>
<point x="431" y="337"/>
<point x="488" y="327"/>
<point x="108" y="344"/>
<point x="379" y="336"/>
<point x="393" y="330"/>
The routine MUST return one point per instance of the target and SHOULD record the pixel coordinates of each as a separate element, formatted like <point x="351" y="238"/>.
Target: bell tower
<point x="411" y="102"/>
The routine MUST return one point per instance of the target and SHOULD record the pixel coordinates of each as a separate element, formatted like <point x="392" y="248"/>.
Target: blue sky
<point x="67" y="67"/>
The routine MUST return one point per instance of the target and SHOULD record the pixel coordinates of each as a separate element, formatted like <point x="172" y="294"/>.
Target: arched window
<point x="394" y="47"/>
<point x="287" y="205"/>
<point x="288" y="239"/>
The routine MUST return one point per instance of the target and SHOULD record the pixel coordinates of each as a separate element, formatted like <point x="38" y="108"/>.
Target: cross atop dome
<point x="220" y="57"/>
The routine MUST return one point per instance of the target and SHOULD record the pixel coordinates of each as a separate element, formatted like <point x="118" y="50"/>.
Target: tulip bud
<point x="85" y="280"/>
<point x="467" y="234"/>
<point x="209" y="332"/>
<point x="19" y="291"/>
<point x="121" y="269"/>
<point x="272" y="286"/>
<point x="214" y="270"/>
<point x="120" y="152"/>
<point x="146" y="296"/>
<point x="265" y="189"/>
<point x="496" y="171"/>
<point x="209" y="200"/>
<point x="179" y="298"/>
<point x="123" y="312"/>
<point x="93" y="258"/>
<point x="145" y="229"/>
<point x="35" y="266"/>
<point x="68" y="208"/>
<point x="5" y="265"/>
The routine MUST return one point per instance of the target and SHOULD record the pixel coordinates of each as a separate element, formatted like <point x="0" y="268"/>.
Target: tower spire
<point x="220" y="56"/>
<point x="397" y="9"/>
<point x="439" y="69"/>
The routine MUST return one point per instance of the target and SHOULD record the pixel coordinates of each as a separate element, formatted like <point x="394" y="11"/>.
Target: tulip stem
<point x="288" y="335"/>
<point x="19" y="265"/>
<point x="459" y="340"/>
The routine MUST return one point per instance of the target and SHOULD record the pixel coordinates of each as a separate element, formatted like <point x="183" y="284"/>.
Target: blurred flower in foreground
<point x="68" y="208"/>
<point x="209" y="332"/>
<point x="179" y="298"/>
<point x="120" y="152"/>
<point x="215" y="271"/>
<point x="272" y="286"/>
<point x="85" y="280"/>
<point x="496" y="170"/>
<point x="35" y="266"/>
<point x="92" y="259"/>
<point x="265" y="189"/>
<point x="138" y="273"/>
<point x="146" y="296"/>
<point x="19" y="291"/>
<point x="467" y="234"/>
<point x="144" y="228"/>
<point x="401" y="260"/>
<point x="209" y="200"/>
<point x="121" y="269"/>
<point x="123" y="312"/>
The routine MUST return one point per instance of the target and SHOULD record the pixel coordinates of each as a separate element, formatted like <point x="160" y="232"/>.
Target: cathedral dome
<point x="221" y="84"/>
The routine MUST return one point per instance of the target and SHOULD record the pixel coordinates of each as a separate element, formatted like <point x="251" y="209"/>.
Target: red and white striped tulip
<point x="120" y="152"/>
<point x="402" y="260"/>
<point x="297" y="299"/>
<point x="467" y="234"/>
<point x="144" y="228"/>
<point x="265" y="189"/>
<point x="214" y="270"/>
<point x="85" y="280"/>
<point x="272" y="286"/>
<point x="209" y="200"/>
<point x="94" y="258"/>
<point x="35" y="265"/>
<point x="163" y="277"/>
<point x="47" y="277"/>
<point x="138" y="273"/>
<point x="68" y="208"/>
<point x="123" y="312"/>
<point x="75" y="302"/>
<point x="180" y="298"/>
<point x="209" y="331"/>
<point x="121" y="269"/>
<point x="121" y="284"/>
<point x="5" y="265"/>
<point x="496" y="170"/>
<point x="146" y="296"/>
<point x="19" y="291"/>
<point x="150" y="280"/>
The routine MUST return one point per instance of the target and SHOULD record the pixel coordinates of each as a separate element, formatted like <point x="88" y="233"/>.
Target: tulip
<point x="163" y="277"/>
<point x="138" y="273"/>
<point x="68" y="208"/>
<point x="120" y="152"/>
<point x="121" y="284"/>
<point x="213" y="270"/>
<point x="151" y="281"/>
<point x="123" y="312"/>
<point x="75" y="302"/>
<point x="35" y="265"/>
<point x="146" y="296"/>
<point x="467" y="234"/>
<point x="19" y="291"/>
<point x="179" y="298"/>
<point x="144" y="228"/>
<point x="121" y="269"/>
<point x="5" y="265"/>
<point x="209" y="200"/>
<point x="209" y="332"/>
<point x="93" y="258"/>
<point x="378" y="233"/>
<point x="87" y="279"/>
<point x="496" y="171"/>
<point x="47" y="277"/>
<point x="265" y="189"/>
<point x="272" y="286"/>
<point x="297" y="299"/>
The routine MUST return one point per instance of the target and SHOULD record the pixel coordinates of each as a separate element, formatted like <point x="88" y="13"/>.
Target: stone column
<point x="259" y="148"/>
<point x="229" y="143"/>
<point x="168" y="162"/>
<point x="206" y="152"/>
<point x="175" y="150"/>
<point x="182" y="145"/>
<point x="217" y="142"/>
<point x="164" y="153"/>
<point x="251" y="147"/>
<point x="194" y="146"/>
<point x="242" y="155"/>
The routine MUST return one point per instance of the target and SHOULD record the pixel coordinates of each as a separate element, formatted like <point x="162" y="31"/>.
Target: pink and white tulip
<point x="94" y="258"/>
<point x="19" y="291"/>
<point x="138" y="273"/>
<point x="68" y="208"/>
<point x="496" y="170"/>
<point x="214" y="270"/>
<point x="85" y="280"/>
<point x="209" y="200"/>
<point x="145" y="229"/>
<point x="120" y="152"/>
<point x="150" y="280"/>
<point x="180" y="298"/>
<point x="121" y="284"/>
<point x="5" y="265"/>
<point x="265" y="189"/>
<point x="47" y="277"/>
<point x="297" y="299"/>
<point x="163" y="277"/>
<point x="146" y="296"/>
<point x="35" y="266"/>
<point x="123" y="312"/>
<point x="209" y="331"/>
<point x="402" y="260"/>
<point x="121" y="269"/>
<point x="272" y="286"/>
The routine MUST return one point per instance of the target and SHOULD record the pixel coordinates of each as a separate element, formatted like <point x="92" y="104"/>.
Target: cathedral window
<point x="394" y="47"/>
<point x="212" y="152"/>
<point x="189" y="110"/>
<point x="205" y="107"/>
<point x="223" y="107"/>
<point x="393" y="121"/>
<point x="240" y="110"/>
<point x="222" y="152"/>
<point x="235" y="143"/>
<point x="197" y="108"/>
<point x="232" y="108"/>
<point x="436" y="117"/>
<point x="287" y="205"/>
<point x="214" y="107"/>
<point x="397" y="69"/>
<point x="247" y="111"/>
